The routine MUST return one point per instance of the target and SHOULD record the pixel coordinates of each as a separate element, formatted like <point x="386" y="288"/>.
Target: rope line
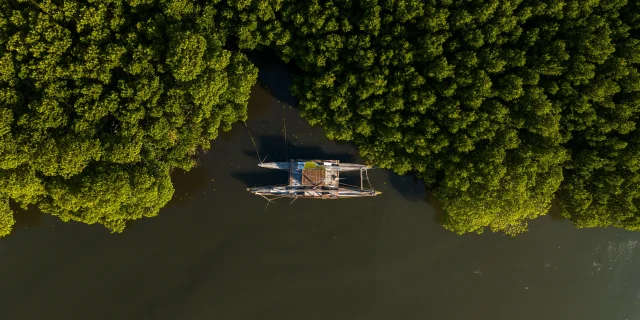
<point x="253" y="141"/>
<point x="352" y="186"/>
<point x="284" y="121"/>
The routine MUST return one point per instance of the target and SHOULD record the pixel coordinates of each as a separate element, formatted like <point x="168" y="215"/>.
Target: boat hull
<point x="315" y="179"/>
<point x="332" y="166"/>
<point x="312" y="193"/>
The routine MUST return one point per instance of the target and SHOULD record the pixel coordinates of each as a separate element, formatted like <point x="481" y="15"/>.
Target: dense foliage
<point x="100" y="99"/>
<point x="498" y="105"/>
<point x="602" y="180"/>
<point x="493" y="103"/>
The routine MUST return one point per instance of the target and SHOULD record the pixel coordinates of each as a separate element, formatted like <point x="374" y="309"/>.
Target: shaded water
<point x="214" y="253"/>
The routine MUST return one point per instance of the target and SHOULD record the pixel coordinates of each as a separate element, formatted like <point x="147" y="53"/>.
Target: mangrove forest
<point x="499" y="106"/>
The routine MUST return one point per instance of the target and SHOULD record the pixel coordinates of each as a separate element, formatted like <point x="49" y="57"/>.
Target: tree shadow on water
<point x="256" y="178"/>
<point x="29" y="218"/>
<point x="274" y="75"/>
<point x="413" y="189"/>
<point x="437" y="207"/>
<point x="274" y="149"/>
<point x="554" y="212"/>
<point x="408" y="185"/>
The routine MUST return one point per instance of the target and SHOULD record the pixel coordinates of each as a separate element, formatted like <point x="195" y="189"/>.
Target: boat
<point x="316" y="179"/>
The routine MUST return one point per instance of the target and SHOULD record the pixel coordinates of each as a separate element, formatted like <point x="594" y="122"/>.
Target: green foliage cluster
<point x="498" y="105"/>
<point x="602" y="180"/>
<point x="6" y="217"/>
<point x="99" y="100"/>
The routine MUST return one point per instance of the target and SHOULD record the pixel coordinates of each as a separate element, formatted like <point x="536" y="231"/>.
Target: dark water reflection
<point x="31" y="217"/>
<point x="438" y="216"/>
<point x="275" y="78"/>
<point x="214" y="253"/>
<point x="409" y="186"/>
<point x="187" y="183"/>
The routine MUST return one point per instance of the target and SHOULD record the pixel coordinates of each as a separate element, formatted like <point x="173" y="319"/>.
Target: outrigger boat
<point x="317" y="179"/>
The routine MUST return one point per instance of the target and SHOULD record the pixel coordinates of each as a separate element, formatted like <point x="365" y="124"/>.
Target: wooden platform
<point x="314" y="173"/>
<point x="313" y="177"/>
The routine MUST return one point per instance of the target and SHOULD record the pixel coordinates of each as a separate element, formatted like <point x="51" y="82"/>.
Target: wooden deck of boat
<point x="324" y="174"/>
<point x="313" y="177"/>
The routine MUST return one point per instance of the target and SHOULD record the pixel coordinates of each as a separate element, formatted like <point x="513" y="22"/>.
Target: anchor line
<point x="284" y="121"/>
<point x="253" y="141"/>
<point x="368" y="181"/>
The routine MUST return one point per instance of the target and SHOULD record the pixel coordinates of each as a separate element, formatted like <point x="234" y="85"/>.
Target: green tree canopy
<point x="602" y="183"/>
<point x="493" y="103"/>
<point x="497" y="105"/>
<point x="99" y="100"/>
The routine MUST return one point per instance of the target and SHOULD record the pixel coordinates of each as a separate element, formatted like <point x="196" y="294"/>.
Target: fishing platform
<point x="316" y="179"/>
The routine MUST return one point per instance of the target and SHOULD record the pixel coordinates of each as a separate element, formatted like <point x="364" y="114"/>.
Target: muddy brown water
<point x="215" y="253"/>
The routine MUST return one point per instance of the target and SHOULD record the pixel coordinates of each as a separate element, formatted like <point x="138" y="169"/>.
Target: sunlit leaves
<point x="109" y="195"/>
<point x="186" y="51"/>
<point x="487" y="101"/>
<point x="6" y="217"/>
<point x="497" y="105"/>
<point x="99" y="101"/>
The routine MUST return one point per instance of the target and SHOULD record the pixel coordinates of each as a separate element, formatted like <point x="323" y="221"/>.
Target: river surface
<point x="215" y="253"/>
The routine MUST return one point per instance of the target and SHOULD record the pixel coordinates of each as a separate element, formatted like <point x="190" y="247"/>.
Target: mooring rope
<point x="366" y="172"/>
<point x="253" y="141"/>
<point x="284" y="121"/>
